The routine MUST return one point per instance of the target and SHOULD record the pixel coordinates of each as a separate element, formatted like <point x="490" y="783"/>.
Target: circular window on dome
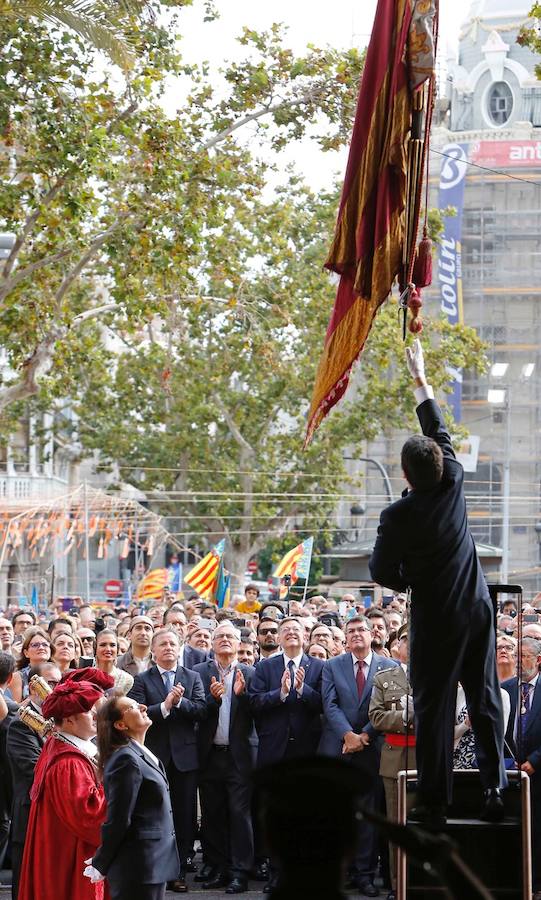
<point x="500" y="103"/>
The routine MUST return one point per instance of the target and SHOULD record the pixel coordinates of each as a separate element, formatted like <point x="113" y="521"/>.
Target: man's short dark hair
<point x="24" y="612"/>
<point x="422" y="462"/>
<point x="7" y="666"/>
<point x="358" y="619"/>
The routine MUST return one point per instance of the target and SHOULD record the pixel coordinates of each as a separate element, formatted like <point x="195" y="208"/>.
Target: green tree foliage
<point x="530" y="34"/>
<point x="159" y="283"/>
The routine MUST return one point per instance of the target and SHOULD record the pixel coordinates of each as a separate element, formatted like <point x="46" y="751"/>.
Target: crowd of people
<point x="188" y="701"/>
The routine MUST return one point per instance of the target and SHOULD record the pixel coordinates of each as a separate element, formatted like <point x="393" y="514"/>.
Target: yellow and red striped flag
<point x="152" y="585"/>
<point x="202" y="578"/>
<point x="295" y="563"/>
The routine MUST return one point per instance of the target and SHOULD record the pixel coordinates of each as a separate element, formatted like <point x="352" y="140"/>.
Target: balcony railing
<point x="26" y="487"/>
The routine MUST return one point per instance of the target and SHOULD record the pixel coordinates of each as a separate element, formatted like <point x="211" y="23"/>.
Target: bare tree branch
<point x="259" y="113"/>
<point x="24" y="273"/>
<point x="36" y="366"/>
<point x="48" y="198"/>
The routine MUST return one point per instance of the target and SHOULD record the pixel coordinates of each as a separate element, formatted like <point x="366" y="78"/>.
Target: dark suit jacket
<point x="531" y="736"/>
<point x="298" y="717"/>
<point x="242" y="735"/>
<point x="138" y="837"/>
<point x="23" y="749"/>
<point x="424" y="543"/>
<point x="193" y="657"/>
<point x="6" y="783"/>
<point x="172" y="739"/>
<point x="344" y="711"/>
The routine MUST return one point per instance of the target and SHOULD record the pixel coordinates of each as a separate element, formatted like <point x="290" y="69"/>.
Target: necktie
<point x="291" y="667"/>
<point x="359" y="678"/>
<point x="168" y="680"/>
<point x="525" y="697"/>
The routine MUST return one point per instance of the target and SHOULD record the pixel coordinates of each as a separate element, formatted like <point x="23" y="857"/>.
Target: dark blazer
<point x="344" y="711"/>
<point x="138" y="837"/>
<point x="23" y="746"/>
<point x="6" y="784"/>
<point x="193" y="657"/>
<point x="298" y="717"/>
<point x="172" y="739"/>
<point x="424" y="543"/>
<point x="531" y="735"/>
<point x="242" y="735"/>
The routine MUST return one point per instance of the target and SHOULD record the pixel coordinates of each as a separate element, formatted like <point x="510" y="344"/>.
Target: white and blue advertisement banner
<point x="452" y="183"/>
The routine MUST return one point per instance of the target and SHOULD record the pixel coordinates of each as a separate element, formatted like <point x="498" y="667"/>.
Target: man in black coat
<point x="23" y="746"/>
<point x="175" y="702"/>
<point x="227" y="748"/>
<point x="424" y="543"/>
<point x="523" y="738"/>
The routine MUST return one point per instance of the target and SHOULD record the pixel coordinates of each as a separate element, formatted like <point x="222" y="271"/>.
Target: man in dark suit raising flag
<point x="424" y="543"/>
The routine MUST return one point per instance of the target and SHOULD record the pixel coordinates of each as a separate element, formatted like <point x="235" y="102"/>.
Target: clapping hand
<point x="217" y="688"/>
<point x="299" y="678"/>
<point x="285" y="684"/>
<point x="174" y="696"/>
<point x="240" y="683"/>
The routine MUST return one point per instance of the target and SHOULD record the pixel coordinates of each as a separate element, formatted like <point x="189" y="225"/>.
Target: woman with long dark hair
<point x="106" y="657"/>
<point x="138" y="852"/>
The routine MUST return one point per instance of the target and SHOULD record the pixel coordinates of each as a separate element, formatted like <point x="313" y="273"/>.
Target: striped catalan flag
<point x="152" y="585"/>
<point x="368" y="242"/>
<point x="296" y="562"/>
<point x="202" y="577"/>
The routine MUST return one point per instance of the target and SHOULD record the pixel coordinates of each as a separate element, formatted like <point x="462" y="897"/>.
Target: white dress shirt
<point x="366" y="663"/>
<point x="425" y="392"/>
<point x="221" y="737"/>
<point x="86" y="747"/>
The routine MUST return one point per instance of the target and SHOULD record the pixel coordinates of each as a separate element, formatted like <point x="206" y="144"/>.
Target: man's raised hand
<point x="415" y="361"/>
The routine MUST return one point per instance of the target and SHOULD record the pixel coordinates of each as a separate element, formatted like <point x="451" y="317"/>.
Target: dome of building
<point x="493" y="81"/>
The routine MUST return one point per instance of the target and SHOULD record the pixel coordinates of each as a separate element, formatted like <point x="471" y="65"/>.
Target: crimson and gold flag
<point x="368" y="241"/>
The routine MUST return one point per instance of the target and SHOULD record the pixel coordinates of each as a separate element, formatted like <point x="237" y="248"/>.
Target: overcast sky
<point x="340" y="23"/>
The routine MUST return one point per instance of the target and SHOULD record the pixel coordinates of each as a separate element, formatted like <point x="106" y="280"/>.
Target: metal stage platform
<point x="499" y="855"/>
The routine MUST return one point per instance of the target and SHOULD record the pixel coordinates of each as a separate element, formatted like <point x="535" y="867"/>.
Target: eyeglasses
<point x="268" y="631"/>
<point x="36" y="646"/>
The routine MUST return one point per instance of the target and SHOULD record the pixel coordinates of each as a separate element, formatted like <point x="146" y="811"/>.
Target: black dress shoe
<point x="218" y="881"/>
<point x="237" y="886"/>
<point x="206" y="873"/>
<point x="431" y="816"/>
<point x="189" y="865"/>
<point x="261" y="872"/>
<point x="368" y="889"/>
<point x="493" y="809"/>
